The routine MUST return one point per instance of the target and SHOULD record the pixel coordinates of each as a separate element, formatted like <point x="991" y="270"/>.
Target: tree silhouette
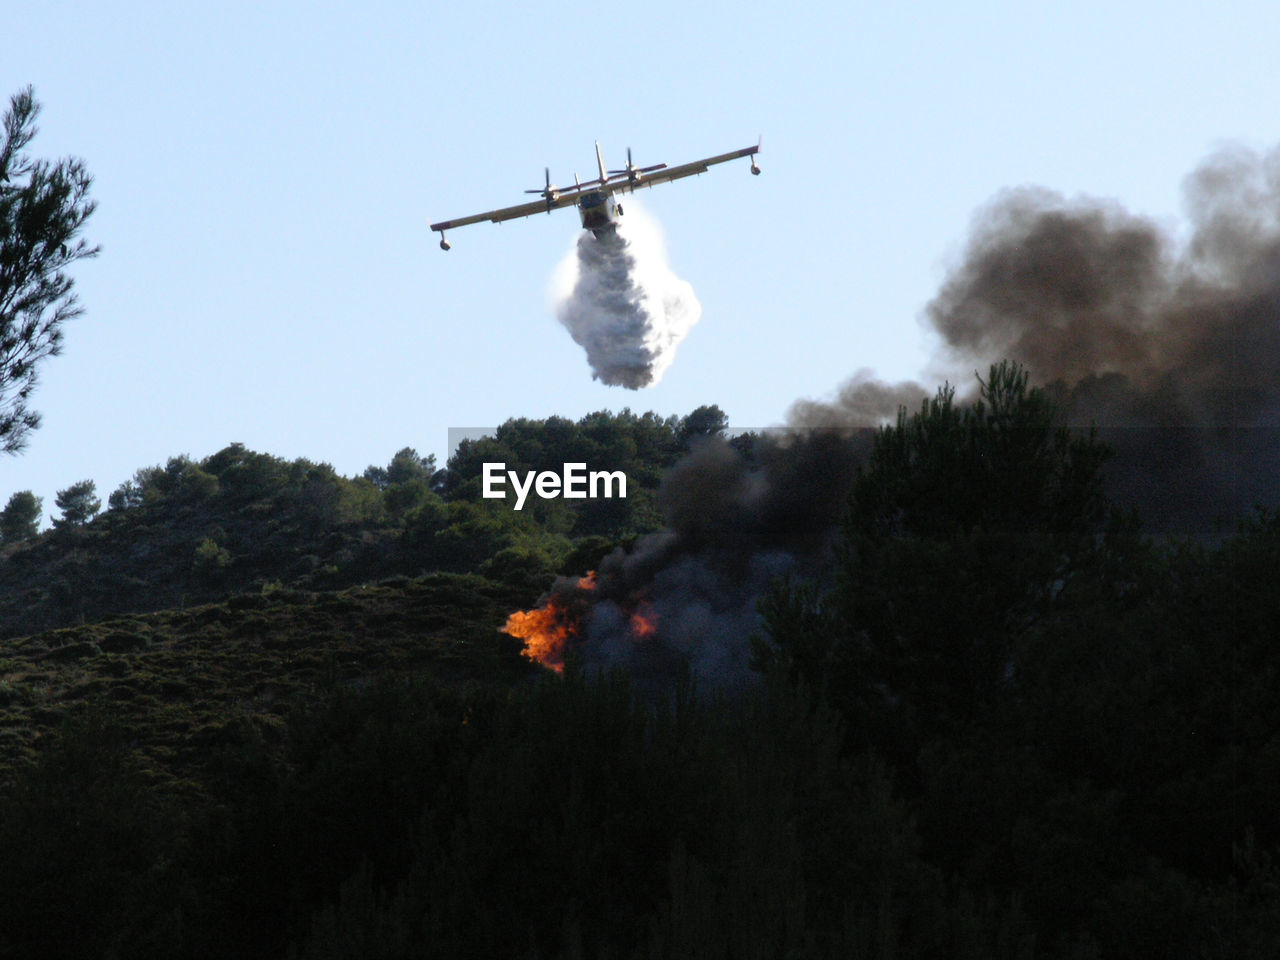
<point x="43" y="205"/>
<point x="20" y="519"/>
<point x="78" y="503"/>
<point x="966" y="527"/>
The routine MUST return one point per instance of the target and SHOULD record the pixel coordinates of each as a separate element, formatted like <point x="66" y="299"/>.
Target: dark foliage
<point x="88" y="850"/>
<point x="20" y="519"/>
<point x="1076" y="717"/>
<point x="1010" y="726"/>
<point x="192" y="532"/>
<point x="43" y="207"/>
<point x="78" y="503"/>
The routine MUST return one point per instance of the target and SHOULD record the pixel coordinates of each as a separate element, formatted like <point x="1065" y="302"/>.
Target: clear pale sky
<point x="266" y="172"/>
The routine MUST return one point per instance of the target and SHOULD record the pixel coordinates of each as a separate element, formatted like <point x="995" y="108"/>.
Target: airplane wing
<point x="569" y="196"/>
<point x="682" y="170"/>
<point x="566" y="198"/>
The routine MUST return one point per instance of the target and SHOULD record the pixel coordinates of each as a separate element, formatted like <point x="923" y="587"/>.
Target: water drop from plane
<point x="620" y="301"/>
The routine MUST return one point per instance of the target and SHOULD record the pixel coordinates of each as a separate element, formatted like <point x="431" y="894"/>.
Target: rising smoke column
<point x="621" y="303"/>
<point x="683" y="601"/>
<point x="1171" y="349"/>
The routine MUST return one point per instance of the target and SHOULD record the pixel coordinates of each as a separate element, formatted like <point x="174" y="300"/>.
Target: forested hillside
<point x="985" y="715"/>
<point x="193" y="532"/>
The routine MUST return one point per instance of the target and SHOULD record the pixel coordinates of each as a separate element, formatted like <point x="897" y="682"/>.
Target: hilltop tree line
<point x="193" y="531"/>
<point x="20" y="518"/>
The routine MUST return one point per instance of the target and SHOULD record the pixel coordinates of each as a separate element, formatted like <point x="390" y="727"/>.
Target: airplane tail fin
<point x="600" y="160"/>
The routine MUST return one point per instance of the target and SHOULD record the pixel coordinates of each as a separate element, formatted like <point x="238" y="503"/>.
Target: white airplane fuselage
<point x="599" y="211"/>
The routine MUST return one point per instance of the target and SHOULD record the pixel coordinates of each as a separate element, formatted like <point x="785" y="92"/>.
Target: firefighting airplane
<point x="594" y="199"/>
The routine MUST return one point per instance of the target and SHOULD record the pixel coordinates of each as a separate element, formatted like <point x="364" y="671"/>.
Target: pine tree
<point x="20" y="519"/>
<point x="43" y="206"/>
<point x="78" y="504"/>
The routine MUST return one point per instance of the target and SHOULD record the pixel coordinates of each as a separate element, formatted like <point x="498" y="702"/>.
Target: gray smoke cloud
<point x="740" y="513"/>
<point x="860" y="403"/>
<point x="620" y="301"/>
<point x="1170" y="347"/>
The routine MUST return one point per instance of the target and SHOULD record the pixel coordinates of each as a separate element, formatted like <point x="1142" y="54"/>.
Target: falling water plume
<point x="621" y="303"/>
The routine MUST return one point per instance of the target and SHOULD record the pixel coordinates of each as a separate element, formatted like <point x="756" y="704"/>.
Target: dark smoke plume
<point x="1171" y="349"/>
<point x="621" y="303"/>
<point x="736" y="521"/>
<point x="861" y="403"/>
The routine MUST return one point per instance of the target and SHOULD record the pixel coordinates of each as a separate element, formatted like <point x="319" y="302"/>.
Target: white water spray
<point x="621" y="303"/>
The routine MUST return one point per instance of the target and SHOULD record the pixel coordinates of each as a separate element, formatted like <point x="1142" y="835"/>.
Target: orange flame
<point x="543" y="634"/>
<point x="643" y="622"/>
<point x="547" y="630"/>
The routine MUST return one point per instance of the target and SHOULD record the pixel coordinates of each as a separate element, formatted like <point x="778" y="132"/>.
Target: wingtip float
<point x="595" y="198"/>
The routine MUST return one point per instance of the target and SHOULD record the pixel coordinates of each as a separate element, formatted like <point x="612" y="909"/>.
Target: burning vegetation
<point x="564" y="620"/>
<point x="548" y="629"/>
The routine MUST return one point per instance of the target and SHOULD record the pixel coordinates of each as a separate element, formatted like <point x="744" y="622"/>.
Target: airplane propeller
<point x="550" y="191"/>
<point x="634" y="173"/>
